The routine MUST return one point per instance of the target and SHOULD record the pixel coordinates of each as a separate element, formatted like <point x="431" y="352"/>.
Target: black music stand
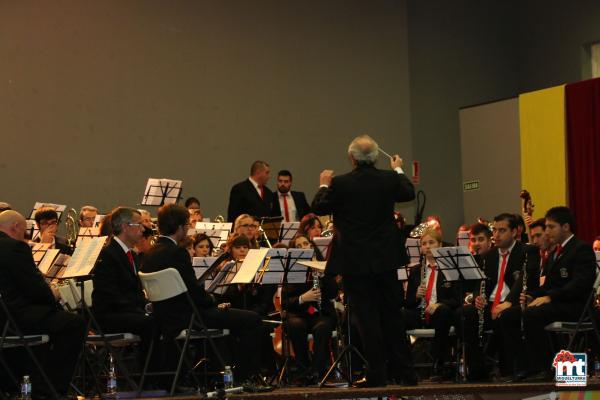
<point x="588" y="312"/>
<point x="458" y="265"/>
<point x="271" y="227"/>
<point x="162" y="191"/>
<point x="291" y="260"/>
<point x="413" y="249"/>
<point x="288" y="230"/>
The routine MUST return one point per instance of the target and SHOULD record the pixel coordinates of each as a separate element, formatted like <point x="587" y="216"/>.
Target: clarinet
<point x="316" y="286"/>
<point x="422" y="306"/>
<point x="481" y="312"/>
<point x="524" y="291"/>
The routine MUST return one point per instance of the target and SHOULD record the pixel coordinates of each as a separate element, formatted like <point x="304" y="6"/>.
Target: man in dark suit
<point x="251" y="196"/>
<point x="174" y="314"/>
<point x="502" y="266"/>
<point x="33" y="305"/>
<point x="46" y="219"/>
<point x="569" y="279"/>
<point x="289" y="204"/>
<point x="365" y="252"/>
<point x="118" y="300"/>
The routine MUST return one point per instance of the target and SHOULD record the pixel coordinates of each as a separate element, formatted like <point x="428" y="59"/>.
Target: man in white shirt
<point x="290" y="204"/>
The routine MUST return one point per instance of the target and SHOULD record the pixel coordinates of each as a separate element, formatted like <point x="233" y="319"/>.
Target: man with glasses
<point x="118" y="301"/>
<point x="46" y="219"/>
<point x="87" y="216"/>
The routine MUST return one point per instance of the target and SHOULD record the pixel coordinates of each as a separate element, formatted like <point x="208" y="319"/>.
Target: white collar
<point x="125" y="248"/>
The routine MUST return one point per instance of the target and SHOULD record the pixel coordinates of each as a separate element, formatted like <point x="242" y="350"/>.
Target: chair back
<point x="70" y="293"/>
<point x="162" y="285"/>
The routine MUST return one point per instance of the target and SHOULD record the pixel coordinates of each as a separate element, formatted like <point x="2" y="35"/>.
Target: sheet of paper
<point x="47" y="261"/>
<point x="161" y="191"/>
<point x="84" y="258"/>
<point x="322" y="244"/>
<point x="253" y="261"/>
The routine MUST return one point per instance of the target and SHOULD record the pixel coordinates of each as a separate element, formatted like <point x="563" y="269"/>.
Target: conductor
<point x="365" y="252"/>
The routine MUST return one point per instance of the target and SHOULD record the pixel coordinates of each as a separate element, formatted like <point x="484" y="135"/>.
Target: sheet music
<point x="288" y="230"/>
<point x="413" y="248"/>
<point x="38" y="251"/>
<point x="446" y="257"/>
<point x="216" y="236"/>
<point x="223" y="276"/>
<point x="201" y="264"/>
<point x="87" y="233"/>
<point x="57" y="269"/>
<point x="462" y="239"/>
<point x="84" y="258"/>
<point x="47" y="260"/>
<point x="297" y="272"/>
<point x="274" y="273"/>
<point x="404" y="272"/>
<point x="253" y="261"/>
<point x="161" y="191"/>
<point x="214" y="226"/>
<point x="98" y="220"/>
<point x="59" y="208"/>
<point x="322" y="244"/>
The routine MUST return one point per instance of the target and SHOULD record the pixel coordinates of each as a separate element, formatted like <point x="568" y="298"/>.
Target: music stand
<point x="162" y="191"/>
<point x="288" y="231"/>
<point x="413" y="248"/>
<point x="457" y="264"/>
<point x="202" y="264"/>
<point x="87" y="234"/>
<point x="588" y="310"/>
<point x="271" y="227"/>
<point x="323" y="243"/>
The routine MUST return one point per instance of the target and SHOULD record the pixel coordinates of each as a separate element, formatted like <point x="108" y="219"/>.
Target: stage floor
<point x="426" y="390"/>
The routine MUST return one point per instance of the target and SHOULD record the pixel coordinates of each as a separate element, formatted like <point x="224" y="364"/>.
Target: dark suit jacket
<point x="60" y="243"/>
<point x="174" y="314"/>
<point x="244" y="199"/>
<point x="116" y="287"/>
<point x="23" y="288"/>
<point x="513" y="273"/>
<point x="302" y="207"/>
<point x="447" y="292"/>
<point x="570" y="278"/>
<point x="292" y="291"/>
<point x="362" y="203"/>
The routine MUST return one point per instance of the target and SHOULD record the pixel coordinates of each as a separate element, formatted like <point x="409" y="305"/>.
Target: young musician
<point x="46" y="219"/>
<point x="431" y="301"/>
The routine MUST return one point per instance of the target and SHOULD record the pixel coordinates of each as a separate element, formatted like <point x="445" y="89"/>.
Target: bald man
<point x="33" y="305"/>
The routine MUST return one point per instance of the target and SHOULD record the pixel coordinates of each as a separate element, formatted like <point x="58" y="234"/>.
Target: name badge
<point x="564" y="273"/>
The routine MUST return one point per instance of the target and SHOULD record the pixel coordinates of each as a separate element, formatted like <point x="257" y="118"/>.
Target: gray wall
<point x="96" y="97"/>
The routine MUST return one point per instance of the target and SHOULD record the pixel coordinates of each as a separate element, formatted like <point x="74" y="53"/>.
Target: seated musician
<point x="118" y="300"/>
<point x="174" y="314"/>
<point x="596" y="244"/>
<point x="32" y="304"/>
<point x="502" y="266"/>
<point x="480" y="239"/>
<point x="570" y="275"/>
<point x="195" y="216"/>
<point x="46" y="219"/>
<point x="537" y="233"/>
<point x="247" y="225"/>
<point x="203" y="247"/>
<point x="431" y="301"/>
<point x="311" y="226"/>
<point x="188" y="244"/>
<point x="310" y="310"/>
<point x="87" y="216"/>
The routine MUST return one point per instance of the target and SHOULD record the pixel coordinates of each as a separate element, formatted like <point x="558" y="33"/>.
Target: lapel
<point x="123" y="259"/>
<point x="564" y="254"/>
<point x="254" y="192"/>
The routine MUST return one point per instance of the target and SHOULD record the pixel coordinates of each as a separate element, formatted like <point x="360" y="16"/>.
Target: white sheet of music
<point x="84" y="258"/>
<point x="297" y="272"/>
<point x="158" y="190"/>
<point x="288" y="230"/>
<point x="413" y="248"/>
<point x="253" y="261"/>
<point x="317" y="265"/>
<point x="201" y="264"/>
<point x="274" y="273"/>
<point x="216" y="236"/>
<point x="462" y="239"/>
<point x="47" y="260"/>
<point x="38" y="251"/>
<point x="445" y="258"/>
<point x="214" y="226"/>
<point x="98" y="220"/>
<point x="322" y="244"/>
<point x="59" y="208"/>
<point x="87" y="233"/>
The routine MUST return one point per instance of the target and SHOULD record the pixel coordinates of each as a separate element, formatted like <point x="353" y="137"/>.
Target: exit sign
<point x="470" y="185"/>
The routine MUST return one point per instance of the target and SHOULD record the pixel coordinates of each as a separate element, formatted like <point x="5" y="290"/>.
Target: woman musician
<point x="430" y="301"/>
<point x="310" y="310"/>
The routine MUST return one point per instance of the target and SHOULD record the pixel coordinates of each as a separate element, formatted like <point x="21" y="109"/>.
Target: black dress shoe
<point x="364" y="383"/>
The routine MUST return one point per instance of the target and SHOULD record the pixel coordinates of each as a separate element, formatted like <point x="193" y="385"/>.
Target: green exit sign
<point x="470" y="185"/>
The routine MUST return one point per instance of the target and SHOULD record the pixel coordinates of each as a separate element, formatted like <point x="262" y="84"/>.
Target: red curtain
<point x="583" y="155"/>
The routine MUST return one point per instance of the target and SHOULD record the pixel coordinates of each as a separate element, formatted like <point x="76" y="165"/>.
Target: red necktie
<point x="285" y="207"/>
<point x="262" y="192"/>
<point x="557" y="251"/>
<point x="430" y="284"/>
<point x="130" y="258"/>
<point x="500" y="281"/>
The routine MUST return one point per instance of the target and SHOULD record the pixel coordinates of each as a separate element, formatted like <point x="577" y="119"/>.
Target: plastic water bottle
<point x="227" y="378"/>
<point x="26" y="388"/>
<point x="111" y="381"/>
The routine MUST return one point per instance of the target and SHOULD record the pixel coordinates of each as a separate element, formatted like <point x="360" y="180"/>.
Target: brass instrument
<point x="418" y="230"/>
<point x="327" y="233"/>
<point x="527" y="206"/>
<point x="71" y="226"/>
<point x="264" y="236"/>
<point x="219" y="219"/>
<point x="480" y="313"/>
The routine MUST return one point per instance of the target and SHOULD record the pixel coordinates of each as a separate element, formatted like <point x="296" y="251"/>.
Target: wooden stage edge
<point x="479" y="390"/>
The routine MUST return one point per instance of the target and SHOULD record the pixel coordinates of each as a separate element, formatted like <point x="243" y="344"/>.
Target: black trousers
<point x="321" y="326"/>
<point x="441" y="320"/>
<point x="140" y="324"/>
<point x="246" y="330"/>
<point x="375" y="304"/>
<point x="539" y="350"/>
<point x="67" y="334"/>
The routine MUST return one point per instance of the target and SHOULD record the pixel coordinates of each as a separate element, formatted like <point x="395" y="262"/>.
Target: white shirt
<point x="291" y="206"/>
<point x="256" y="186"/>
<point x="505" y="288"/>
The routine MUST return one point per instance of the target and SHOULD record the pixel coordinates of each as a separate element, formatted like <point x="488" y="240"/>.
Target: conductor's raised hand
<point x="325" y="177"/>
<point x="396" y="161"/>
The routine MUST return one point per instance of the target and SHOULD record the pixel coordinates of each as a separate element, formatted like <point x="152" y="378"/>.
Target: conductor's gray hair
<point x="364" y="150"/>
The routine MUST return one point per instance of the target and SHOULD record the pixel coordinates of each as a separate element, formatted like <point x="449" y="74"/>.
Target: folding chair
<point x="167" y="284"/>
<point x="18" y="339"/>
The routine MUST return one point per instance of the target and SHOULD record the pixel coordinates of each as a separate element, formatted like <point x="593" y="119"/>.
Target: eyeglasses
<point x="48" y="223"/>
<point x="134" y="224"/>
<point x="249" y="226"/>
